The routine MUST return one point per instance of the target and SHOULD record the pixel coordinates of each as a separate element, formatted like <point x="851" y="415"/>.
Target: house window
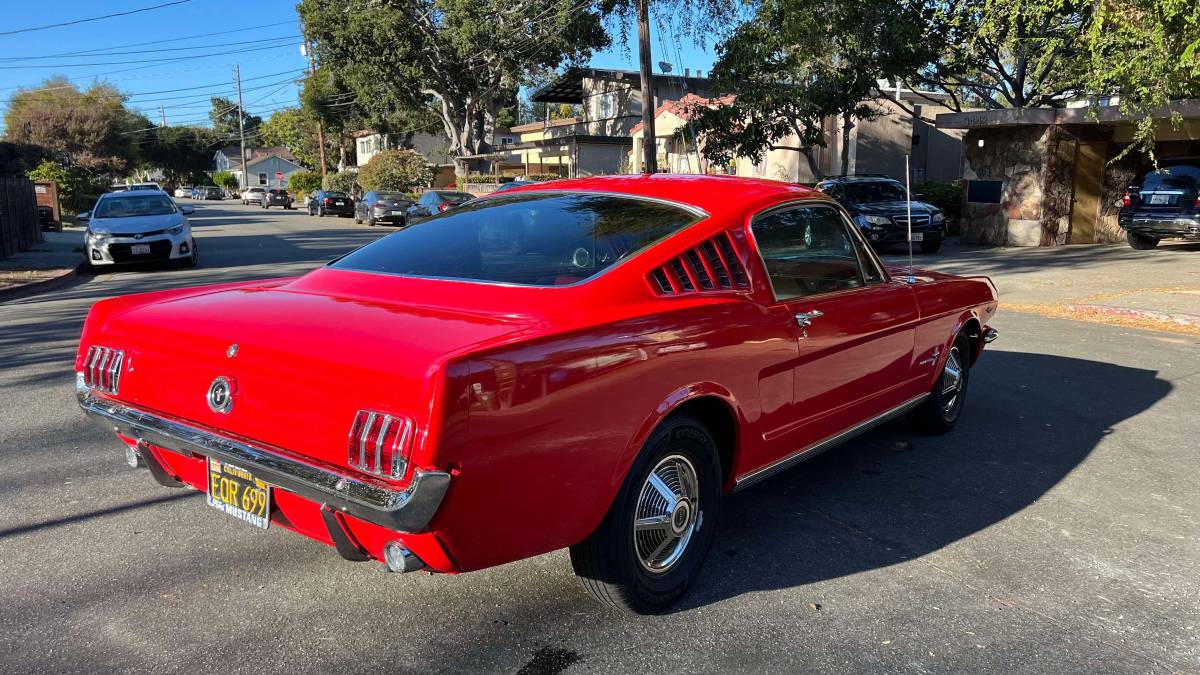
<point x="262" y="178"/>
<point x="607" y="107"/>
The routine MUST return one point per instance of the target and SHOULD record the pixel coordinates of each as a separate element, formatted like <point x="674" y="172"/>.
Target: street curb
<point x="1187" y="320"/>
<point x="34" y="287"/>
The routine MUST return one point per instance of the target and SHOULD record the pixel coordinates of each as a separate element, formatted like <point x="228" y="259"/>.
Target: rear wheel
<point x="932" y="246"/>
<point x="652" y="542"/>
<point x="370" y="220"/>
<point x="1142" y="242"/>
<point x="941" y="410"/>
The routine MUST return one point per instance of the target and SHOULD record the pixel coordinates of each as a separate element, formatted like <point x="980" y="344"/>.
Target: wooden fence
<point x="19" y="228"/>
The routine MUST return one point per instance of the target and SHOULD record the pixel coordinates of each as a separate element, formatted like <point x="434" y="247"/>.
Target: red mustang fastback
<point x="586" y="363"/>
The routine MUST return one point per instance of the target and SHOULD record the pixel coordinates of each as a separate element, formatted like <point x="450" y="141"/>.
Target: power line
<point x="149" y="61"/>
<point x="94" y="18"/>
<point x="164" y="91"/>
<point x="144" y="51"/>
<point x="100" y="50"/>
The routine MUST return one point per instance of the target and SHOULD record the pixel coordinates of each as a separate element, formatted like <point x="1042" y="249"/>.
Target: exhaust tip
<point x="133" y="458"/>
<point x="396" y="558"/>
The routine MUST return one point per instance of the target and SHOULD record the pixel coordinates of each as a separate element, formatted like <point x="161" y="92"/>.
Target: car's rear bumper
<point x="1163" y="226"/>
<point x="408" y="509"/>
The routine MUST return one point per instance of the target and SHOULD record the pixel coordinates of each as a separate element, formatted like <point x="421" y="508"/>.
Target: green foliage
<point x="224" y="119"/>
<point x="342" y="181"/>
<point x="459" y="60"/>
<point x="399" y="170"/>
<point x="77" y="187"/>
<point x="296" y="130"/>
<point x="225" y="179"/>
<point x="182" y="153"/>
<point x="1147" y="52"/>
<point x="304" y="182"/>
<point x="946" y="195"/>
<point x="799" y="62"/>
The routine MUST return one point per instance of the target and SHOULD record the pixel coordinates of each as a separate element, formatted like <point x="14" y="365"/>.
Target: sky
<point x="186" y="52"/>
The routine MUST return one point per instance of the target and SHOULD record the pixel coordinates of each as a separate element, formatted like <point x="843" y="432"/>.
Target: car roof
<point x="711" y="194"/>
<point x="859" y="179"/>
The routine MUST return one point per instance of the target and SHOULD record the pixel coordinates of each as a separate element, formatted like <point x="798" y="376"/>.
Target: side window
<point x="807" y="250"/>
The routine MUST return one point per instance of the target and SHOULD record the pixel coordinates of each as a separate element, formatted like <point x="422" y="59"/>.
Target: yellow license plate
<point x="238" y="493"/>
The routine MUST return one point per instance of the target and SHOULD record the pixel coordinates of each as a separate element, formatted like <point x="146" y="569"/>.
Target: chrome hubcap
<point x="951" y="381"/>
<point x="668" y="513"/>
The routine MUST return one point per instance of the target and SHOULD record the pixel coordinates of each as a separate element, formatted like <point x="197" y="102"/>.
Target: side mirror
<point x="83" y="217"/>
<point x="187" y="210"/>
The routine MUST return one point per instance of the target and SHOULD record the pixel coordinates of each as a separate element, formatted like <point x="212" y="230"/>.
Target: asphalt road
<point x="1055" y="530"/>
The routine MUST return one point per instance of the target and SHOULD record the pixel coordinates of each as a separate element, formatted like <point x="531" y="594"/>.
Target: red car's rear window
<point x="531" y="239"/>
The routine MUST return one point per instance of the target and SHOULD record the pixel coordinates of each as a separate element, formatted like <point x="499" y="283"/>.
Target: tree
<point x="325" y="99"/>
<point x="465" y="59"/>
<point x="295" y="130"/>
<point x="342" y="181"/>
<point x="89" y="128"/>
<point x="799" y="62"/>
<point x="182" y="153"/>
<point x="225" y="179"/>
<point x="224" y="119"/>
<point x="398" y="170"/>
<point x="76" y="186"/>
<point x="1147" y="52"/>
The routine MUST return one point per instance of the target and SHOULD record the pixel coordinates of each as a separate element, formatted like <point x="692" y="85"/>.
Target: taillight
<point x="102" y="368"/>
<point x="1128" y="199"/>
<point x="329" y="200"/>
<point x="380" y="444"/>
<point x="442" y="207"/>
<point x="380" y="205"/>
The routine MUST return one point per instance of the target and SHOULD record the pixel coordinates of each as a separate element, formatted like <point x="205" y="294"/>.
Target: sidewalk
<point x="44" y="265"/>
<point x="1109" y="283"/>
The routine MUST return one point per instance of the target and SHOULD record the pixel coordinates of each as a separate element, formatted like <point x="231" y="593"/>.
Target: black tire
<point x="939" y="412"/>
<point x="320" y="212"/>
<point x="370" y="220"/>
<point x="931" y="246"/>
<point x="1142" y="242"/>
<point x="609" y="564"/>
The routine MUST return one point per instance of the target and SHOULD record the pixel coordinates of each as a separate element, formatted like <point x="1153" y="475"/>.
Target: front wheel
<point x="650" y="546"/>
<point x="932" y="246"/>
<point x="1142" y="242"/>
<point x="941" y="409"/>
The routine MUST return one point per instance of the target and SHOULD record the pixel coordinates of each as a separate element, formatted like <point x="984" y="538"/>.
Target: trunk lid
<point x="308" y="356"/>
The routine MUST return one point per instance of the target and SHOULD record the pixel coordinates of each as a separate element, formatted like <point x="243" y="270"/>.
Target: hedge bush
<point x="946" y="195"/>
<point x="304" y="182"/>
<point x="395" y="170"/>
<point x="342" y="181"/>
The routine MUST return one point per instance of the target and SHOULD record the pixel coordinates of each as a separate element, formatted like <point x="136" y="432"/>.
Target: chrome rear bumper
<point x="403" y="510"/>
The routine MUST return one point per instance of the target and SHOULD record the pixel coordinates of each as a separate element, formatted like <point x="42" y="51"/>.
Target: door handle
<point x="804" y="319"/>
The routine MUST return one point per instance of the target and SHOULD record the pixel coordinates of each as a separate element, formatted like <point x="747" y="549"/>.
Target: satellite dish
<point x="664" y="66"/>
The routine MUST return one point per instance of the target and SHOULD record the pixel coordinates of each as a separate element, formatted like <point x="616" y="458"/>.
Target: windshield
<point x="131" y="205"/>
<point x="869" y="193"/>
<point x="392" y="196"/>
<point x="456" y="197"/>
<point x="532" y="239"/>
<point x="336" y="194"/>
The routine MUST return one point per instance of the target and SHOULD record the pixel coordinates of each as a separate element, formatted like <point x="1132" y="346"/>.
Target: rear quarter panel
<point x="552" y="426"/>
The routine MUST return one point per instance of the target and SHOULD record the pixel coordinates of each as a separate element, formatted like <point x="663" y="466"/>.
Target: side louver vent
<point x="713" y="265"/>
<point x="380" y="443"/>
<point x="102" y="369"/>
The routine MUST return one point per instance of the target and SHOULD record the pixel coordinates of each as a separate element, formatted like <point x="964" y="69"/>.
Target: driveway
<point x="1055" y="530"/>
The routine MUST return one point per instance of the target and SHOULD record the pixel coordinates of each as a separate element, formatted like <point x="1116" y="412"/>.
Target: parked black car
<point x="212" y="192"/>
<point x="512" y="185"/>
<point x="277" y="197"/>
<point x="434" y="202"/>
<point x="324" y="203"/>
<point x="878" y="206"/>
<point x="1163" y="204"/>
<point x="382" y="207"/>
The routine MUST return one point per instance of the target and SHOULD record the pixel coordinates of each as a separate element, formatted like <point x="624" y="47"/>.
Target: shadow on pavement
<point x="894" y="495"/>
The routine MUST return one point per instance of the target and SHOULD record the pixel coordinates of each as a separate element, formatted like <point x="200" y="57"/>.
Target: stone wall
<point x="1018" y="157"/>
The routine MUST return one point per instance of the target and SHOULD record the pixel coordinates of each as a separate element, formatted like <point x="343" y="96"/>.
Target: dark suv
<point x="879" y="209"/>
<point x="1164" y="204"/>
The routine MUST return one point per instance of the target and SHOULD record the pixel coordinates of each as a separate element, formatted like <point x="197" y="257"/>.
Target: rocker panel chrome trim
<point x="807" y="453"/>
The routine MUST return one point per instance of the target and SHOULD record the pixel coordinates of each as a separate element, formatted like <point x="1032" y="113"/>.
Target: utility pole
<point x="312" y="70"/>
<point x="649" y="143"/>
<point x="162" y="114"/>
<point x="244" y="181"/>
